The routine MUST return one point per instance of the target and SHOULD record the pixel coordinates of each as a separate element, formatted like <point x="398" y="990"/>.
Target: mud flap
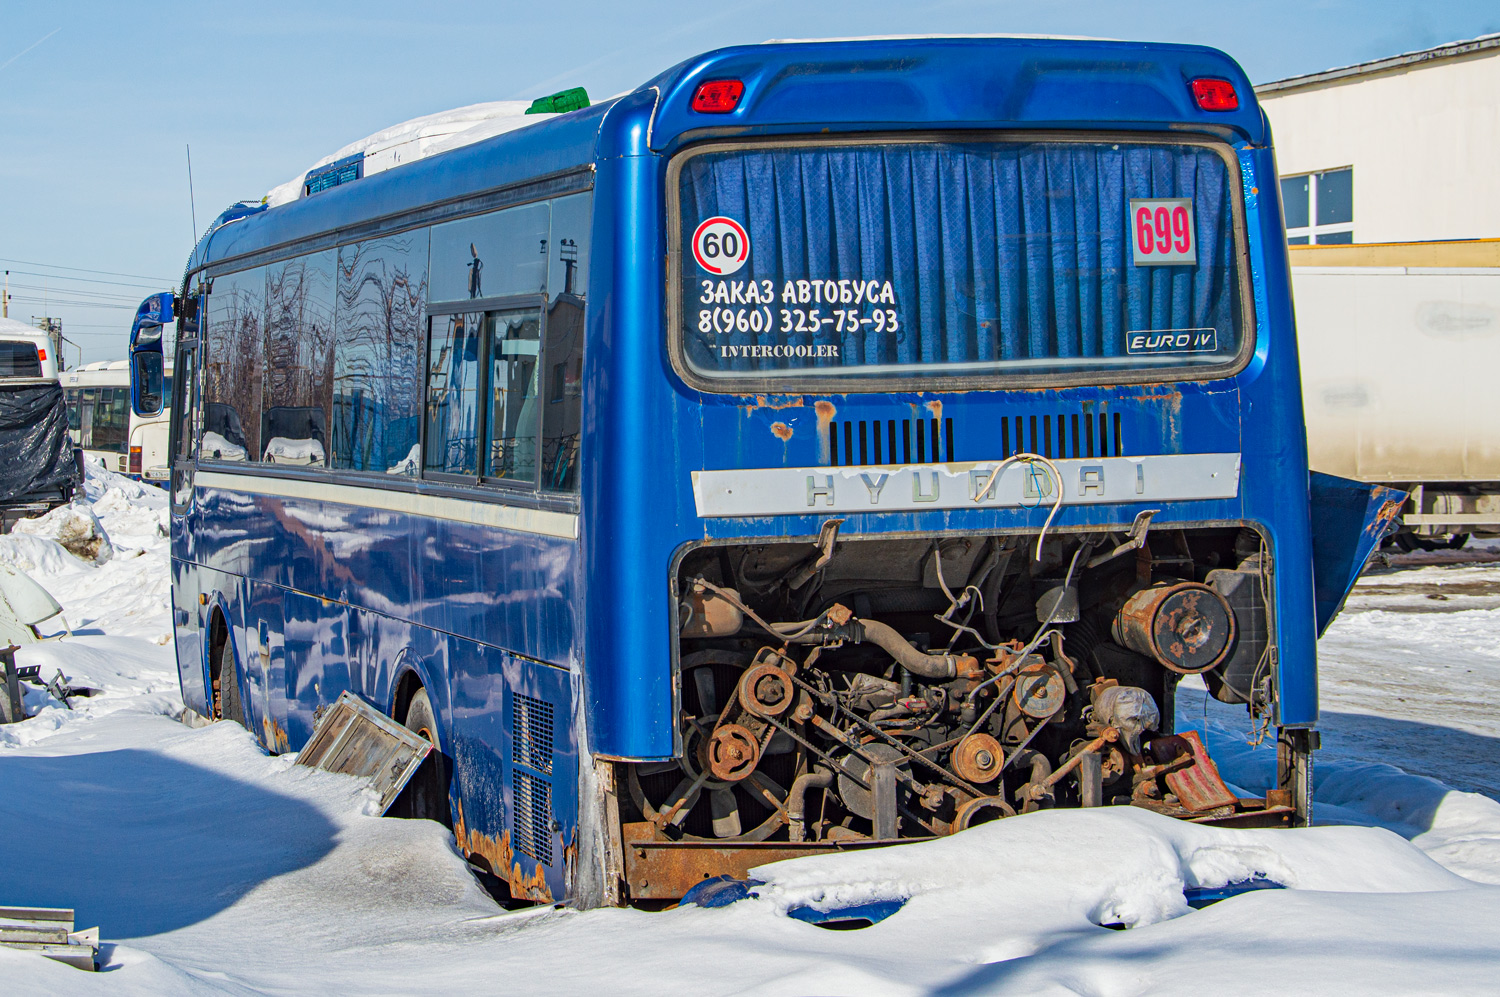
<point x="1349" y="519"/>
<point x="1197" y="784"/>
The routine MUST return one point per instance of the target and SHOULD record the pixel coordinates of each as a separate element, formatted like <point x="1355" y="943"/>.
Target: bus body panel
<point x="626" y="487"/>
<point x="958" y="82"/>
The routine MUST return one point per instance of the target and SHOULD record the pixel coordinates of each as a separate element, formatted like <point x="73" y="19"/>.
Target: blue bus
<point x="824" y="445"/>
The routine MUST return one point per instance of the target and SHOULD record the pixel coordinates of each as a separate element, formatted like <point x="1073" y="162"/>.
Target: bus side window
<point x="74" y="400"/>
<point x="86" y="403"/>
<point x="380" y="329"/>
<point x="184" y="379"/>
<point x="514" y="342"/>
<point x="453" y="400"/>
<point x="234" y="345"/>
<point x="110" y="425"/>
<point x="299" y="338"/>
<point x="562" y="354"/>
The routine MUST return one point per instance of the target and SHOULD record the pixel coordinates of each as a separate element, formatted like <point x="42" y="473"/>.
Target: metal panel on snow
<point x="354" y="739"/>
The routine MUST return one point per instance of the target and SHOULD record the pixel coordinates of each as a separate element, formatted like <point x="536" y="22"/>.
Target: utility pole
<point x="5" y="301"/>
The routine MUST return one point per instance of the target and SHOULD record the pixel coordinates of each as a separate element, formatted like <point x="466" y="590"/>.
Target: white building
<point x="1403" y="149"/>
<point x="1390" y="179"/>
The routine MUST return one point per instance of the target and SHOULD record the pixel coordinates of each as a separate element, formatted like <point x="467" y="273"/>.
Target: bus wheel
<point x="231" y="707"/>
<point x="426" y="796"/>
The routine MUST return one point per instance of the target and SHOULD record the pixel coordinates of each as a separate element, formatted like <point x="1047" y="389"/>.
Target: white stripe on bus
<point x="504" y="517"/>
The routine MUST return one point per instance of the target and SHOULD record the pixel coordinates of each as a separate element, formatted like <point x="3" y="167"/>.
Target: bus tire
<point x="232" y="707"/>
<point x="426" y="795"/>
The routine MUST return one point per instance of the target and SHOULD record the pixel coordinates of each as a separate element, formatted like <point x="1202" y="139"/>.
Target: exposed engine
<point x="852" y="689"/>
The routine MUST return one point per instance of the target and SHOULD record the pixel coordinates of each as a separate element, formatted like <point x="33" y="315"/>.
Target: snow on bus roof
<point x="419" y="138"/>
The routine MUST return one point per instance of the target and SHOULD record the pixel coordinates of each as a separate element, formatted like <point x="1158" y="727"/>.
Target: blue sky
<point x="99" y="100"/>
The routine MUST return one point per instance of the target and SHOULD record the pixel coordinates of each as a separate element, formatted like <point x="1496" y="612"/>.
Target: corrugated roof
<point x="1395" y="63"/>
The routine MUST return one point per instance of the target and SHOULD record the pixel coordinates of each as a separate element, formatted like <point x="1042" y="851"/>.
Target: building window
<point x="1319" y="207"/>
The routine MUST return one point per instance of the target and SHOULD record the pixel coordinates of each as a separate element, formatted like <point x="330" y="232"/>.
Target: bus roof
<point x="891" y="84"/>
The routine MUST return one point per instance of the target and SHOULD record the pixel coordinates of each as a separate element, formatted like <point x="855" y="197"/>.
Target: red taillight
<point x="41" y="353"/>
<point x="135" y="460"/>
<point x="1215" y="95"/>
<point x="718" y="96"/>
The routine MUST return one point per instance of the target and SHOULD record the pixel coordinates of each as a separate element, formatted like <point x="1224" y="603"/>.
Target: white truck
<point x="1400" y="351"/>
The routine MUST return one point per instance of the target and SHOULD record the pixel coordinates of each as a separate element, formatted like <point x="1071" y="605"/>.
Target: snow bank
<point x="212" y="868"/>
<point x="117" y="603"/>
<point x="75" y="528"/>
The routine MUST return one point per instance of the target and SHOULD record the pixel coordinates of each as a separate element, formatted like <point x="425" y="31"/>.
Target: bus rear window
<point x="1068" y="260"/>
<point x="19" y="359"/>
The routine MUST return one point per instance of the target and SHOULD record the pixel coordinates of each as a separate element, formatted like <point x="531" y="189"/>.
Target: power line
<point x="58" y="266"/>
<point x="82" y="280"/>
<point x="63" y="292"/>
<point x="54" y="300"/>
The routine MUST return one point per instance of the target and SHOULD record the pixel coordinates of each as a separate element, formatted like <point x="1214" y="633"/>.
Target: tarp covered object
<point x="36" y="454"/>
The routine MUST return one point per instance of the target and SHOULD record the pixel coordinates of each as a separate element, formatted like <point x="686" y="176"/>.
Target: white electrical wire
<point x="1031" y="460"/>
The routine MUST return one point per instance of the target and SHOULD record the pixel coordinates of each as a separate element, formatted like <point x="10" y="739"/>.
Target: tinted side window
<point x="299" y="361"/>
<point x="234" y="355"/>
<point x="453" y="368"/>
<point x="562" y="353"/>
<point x="110" y="419"/>
<point x="513" y="339"/>
<point x="87" y="399"/>
<point x="377" y="353"/>
<point x="183" y="403"/>
<point x="491" y="256"/>
<point x="75" y="398"/>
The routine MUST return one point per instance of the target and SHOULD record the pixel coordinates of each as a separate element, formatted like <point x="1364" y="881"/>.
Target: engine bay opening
<point x="848" y="691"/>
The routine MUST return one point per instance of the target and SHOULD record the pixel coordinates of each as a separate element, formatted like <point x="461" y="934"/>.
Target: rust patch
<point x="775" y="402"/>
<point x="782" y="431"/>
<point x="1389" y="510"/>
<point x="500" y="857"/>
<point x="935" y="407"/>
<point x="276" y="740"/>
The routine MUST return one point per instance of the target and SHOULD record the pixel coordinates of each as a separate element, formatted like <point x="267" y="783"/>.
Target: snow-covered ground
<point x="214" y="869"/>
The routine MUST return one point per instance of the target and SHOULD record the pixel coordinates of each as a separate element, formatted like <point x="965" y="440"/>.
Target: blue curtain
<point x="998" y="252"/>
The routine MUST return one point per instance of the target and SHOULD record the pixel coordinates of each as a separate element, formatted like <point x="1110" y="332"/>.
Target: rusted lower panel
<point x="499" y="856"/>
<point x="665" y="870"/>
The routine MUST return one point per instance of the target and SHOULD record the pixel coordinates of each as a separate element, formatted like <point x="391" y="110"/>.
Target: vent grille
<point x="852" y="443"/>
<point x="1087" y="434"/>
<point x="531" y="726"/>
<point x="531" y="820"/>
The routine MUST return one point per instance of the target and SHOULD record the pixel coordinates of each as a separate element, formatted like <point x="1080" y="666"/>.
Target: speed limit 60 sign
<point x="720" y="245"/>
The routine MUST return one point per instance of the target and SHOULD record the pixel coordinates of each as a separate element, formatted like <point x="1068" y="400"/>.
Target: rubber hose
<point x="928" y="666"/>
<point x="796" y="800"/>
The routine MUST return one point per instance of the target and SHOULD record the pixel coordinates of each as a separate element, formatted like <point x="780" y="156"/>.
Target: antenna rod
<point x="192" y="202"/>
